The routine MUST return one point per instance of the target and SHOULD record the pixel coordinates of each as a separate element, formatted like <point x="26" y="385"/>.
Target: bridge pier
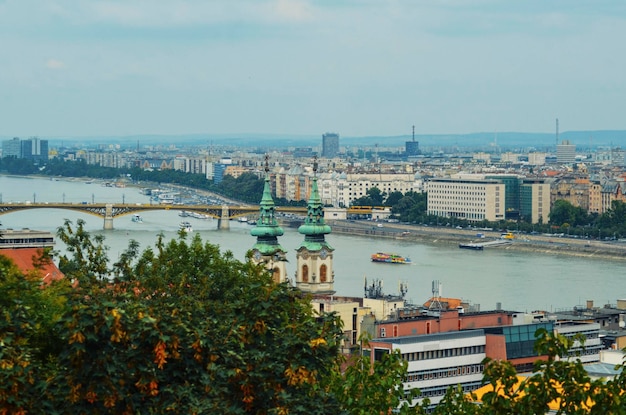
<point x="108" y="217"/>
<point x="222" y="222"/>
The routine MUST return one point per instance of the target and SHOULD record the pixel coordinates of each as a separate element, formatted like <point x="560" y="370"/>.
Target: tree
<point x="185" y="328"/>
<point x="374" y="197"/>
<point x="189" y="329"/>
<point x="29" y="342"/>
<point x="563" y="212"/>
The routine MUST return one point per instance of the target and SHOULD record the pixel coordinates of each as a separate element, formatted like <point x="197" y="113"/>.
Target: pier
<point x="479" y="246"/>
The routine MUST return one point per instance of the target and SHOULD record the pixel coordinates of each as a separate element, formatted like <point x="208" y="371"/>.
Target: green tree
<point x="186" y="328"/>
<point x="29" y="342"/>
<point x="374" y="197"/>
<point x="563" y="212"/>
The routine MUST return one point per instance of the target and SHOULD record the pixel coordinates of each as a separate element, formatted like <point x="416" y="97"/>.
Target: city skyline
<point x="296" y="67"/>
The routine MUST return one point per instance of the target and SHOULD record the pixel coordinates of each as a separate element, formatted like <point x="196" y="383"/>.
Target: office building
<point x="12" y="148"/>
<point x="471" y="199"/>
<point x="330" y="145"/>
<point x="565" y="152"/>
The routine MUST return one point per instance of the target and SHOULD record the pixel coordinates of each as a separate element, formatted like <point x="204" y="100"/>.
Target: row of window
<point x="441" y="353"/>
<point x="441" y="390"/>
<point x="442" y="373"/>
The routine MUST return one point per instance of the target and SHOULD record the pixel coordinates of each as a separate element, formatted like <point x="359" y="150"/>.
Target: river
<point x="518" y="281"/>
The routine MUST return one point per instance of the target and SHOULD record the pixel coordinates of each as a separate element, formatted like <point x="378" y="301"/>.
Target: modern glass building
<point x="330" y="145"/>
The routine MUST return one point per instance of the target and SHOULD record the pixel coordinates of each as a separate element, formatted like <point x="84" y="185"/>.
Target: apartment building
<point x="468" y="199"/>
<point x="575" y="190"/>
<point x="536" y="159"/>
<point x="194" y="165"/>
<point x="534" y="200"/>
<point x="611" y="191"/>
<point x="356" y="185"/>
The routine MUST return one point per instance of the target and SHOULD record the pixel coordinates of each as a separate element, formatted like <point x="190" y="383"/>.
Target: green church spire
<point x="267" y="229"/>
<point x="314" y="227"/>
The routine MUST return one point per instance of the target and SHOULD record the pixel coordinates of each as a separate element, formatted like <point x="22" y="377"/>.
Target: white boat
<point x="186" y="226"/>
<point x="243" y="219"/>
<point x="137" y="218"/>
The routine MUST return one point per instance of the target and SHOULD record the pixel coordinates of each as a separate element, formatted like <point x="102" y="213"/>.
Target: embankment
<point x="551" y="245"/>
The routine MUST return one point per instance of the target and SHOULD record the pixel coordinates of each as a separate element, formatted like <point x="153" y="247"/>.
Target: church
<point x="314" y="274"/>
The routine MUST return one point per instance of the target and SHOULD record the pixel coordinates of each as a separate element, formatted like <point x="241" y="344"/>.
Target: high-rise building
<point x="412" y="148"/>
<point x="34" y="149"/>
<point x="534" y="200"/>
<point x="330" y="145"/>
<point x="12" y="148"/>
<point x="565" y="152"/>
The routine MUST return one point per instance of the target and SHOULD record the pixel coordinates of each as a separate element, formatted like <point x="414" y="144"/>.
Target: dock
<point x="479" y="246"/>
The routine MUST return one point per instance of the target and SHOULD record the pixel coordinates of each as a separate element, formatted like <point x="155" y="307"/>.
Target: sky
<point x="80" y="68"/>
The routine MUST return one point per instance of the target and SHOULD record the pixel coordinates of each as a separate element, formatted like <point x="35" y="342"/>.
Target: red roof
<point x="24" y="258"/>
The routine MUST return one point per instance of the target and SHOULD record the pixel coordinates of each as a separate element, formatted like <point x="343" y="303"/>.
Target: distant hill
<point x="582" y="139"/>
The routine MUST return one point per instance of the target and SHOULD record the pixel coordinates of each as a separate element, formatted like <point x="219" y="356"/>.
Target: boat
<point x="186" y="226"/>
<point x="390" y="258"/>
<point x="243" y="219"/>
<point x="136" y="218"/>
<point x="476" y="247"/>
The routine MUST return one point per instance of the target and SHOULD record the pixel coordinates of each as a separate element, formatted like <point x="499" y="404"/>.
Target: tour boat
<point x="137" y="218"/>
<point x="390" y="258"/>
<point x="186" y="226"/>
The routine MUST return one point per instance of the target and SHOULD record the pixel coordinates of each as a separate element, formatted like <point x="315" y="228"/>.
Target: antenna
<point x="435" y="303"/>
<point x="413" y="133"/>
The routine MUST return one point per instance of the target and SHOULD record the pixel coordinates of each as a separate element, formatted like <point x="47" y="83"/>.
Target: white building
<point x="537" y="159"/>
<point x="590" y="351"/>
<point x="438" y="361"/>
<point x="469" y="199"/>
<point x="565" y="152"/>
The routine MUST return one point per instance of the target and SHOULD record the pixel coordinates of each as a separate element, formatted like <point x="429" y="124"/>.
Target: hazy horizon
<point x="79" y="68"/>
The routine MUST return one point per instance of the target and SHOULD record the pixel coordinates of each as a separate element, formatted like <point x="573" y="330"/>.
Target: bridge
<point x="109" y="211"/>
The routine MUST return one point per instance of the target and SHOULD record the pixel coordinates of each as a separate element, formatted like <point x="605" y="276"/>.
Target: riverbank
<point x="551" y="245"/>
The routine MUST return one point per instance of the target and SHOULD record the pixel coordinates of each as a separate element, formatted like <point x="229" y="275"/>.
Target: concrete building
<point x="534" y="200"/>
<point x="330" y="145"/>
<point x="471" y="199"/>
<point x="537" y="159"/>
<point x="412" y="148"/>
<point x="12" y="148"/>
<point x="438" y="361"/>
<point x="565" y="152"/>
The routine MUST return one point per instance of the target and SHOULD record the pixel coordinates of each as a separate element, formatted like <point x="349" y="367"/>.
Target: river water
<point x="518" y="281"/>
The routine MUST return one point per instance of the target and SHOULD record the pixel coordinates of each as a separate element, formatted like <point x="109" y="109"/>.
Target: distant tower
<point x="315" y="273"/>
<point x="267" y="250"/>
<point x="557" y="131"/>
<point x="330" y="145"/>
<point x="412" y="148"/>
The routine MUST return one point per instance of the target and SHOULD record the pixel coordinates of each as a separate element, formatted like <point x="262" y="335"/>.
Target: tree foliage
<point x="182" y="327"/>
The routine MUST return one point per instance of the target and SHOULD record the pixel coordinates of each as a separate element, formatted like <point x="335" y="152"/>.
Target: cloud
<point x="54" y="64"/>
<point x="292" y="10"/>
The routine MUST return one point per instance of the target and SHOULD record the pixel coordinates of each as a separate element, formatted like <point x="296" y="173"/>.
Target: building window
<point x="323" y="273"/>
<point x="305" y="273"/>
